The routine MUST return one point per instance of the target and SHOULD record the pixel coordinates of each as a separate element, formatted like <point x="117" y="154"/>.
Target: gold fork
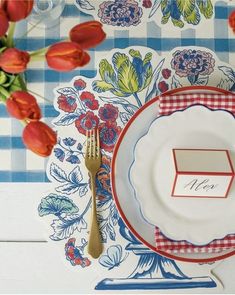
<point x="93" y="162"/>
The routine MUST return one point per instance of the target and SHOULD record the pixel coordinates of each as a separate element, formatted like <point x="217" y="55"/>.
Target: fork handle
<point x="94" y="243"/>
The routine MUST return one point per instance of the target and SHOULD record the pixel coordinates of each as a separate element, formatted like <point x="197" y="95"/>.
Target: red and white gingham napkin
<point x="170" y="246"/>
<point x="171" y="103"/>
<point x="167" y="105"/>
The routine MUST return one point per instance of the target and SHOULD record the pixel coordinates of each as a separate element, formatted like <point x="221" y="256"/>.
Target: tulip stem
<point x="37" y="94"/>
<point x="22" y="82"/>
<point x="37" y="58"/>
<point x="137" y="99"/>
<point x="40" y="51"/>
<point x="24" y="122"/>
<point x="3" y="98"/>
<point x="26" y="33"/>
<point x="10" y="35"/>
<point x="4" y="94"/>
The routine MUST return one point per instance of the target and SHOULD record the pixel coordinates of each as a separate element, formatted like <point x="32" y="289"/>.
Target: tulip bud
<point x="17" y="9"/>
<point x="23" y="106"/>
<point x="14" y="61"/>
<point x="88" y="34"/>
<point x="3" y="23"/>
<point x="231" y="20"/>
<point x="39" y="138"/>
<point x="66" y="56"/>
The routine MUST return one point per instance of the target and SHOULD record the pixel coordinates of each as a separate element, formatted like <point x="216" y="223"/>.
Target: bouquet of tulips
<point x="62" y="56"/>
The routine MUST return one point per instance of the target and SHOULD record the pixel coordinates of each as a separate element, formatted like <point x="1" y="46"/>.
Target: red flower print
<point x="108" y="112"/>
<point x="89" y="99"/>
<point x="79" y="84"/>
<point x="163" y="86"/>
<point x="109" y="132"/>
<point x="147" y="3"/>
<point x="103" y="179"/>
<point x="166" y="73"/>
<point x="86" y="122"/>
<point x="67" y="103"/>
<point x="74" y="254"/>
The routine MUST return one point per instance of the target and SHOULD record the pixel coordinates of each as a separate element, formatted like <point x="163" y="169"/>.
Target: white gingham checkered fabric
<point x="167" y="105"/>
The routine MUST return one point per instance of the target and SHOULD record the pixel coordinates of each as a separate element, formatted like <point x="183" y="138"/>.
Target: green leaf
<point x="14" y="88"/>
<point x="135" y="53"/>
<point x="3" y="77"/>
<point x="165" y="18"/>
<point x="194" y="17"/>
<point x="2" y="49"/>
<point x="19" y="83"/>
<point x="107" y="72"/>
<point x="177" y="23"/>
<point x="164" y="5"/>
<point x="147" y="58"/>
<point x="127" y="78"/>
<point x="147" y="77"/>
<point x="206" y="8"/>
<point x="9" y="81"/>
<point x="119" y="59"/>
<point x="186" y="7"/>
<point x="4" y="91"/>
<point x="101" y="86"/>
<point x="56" y="204"/>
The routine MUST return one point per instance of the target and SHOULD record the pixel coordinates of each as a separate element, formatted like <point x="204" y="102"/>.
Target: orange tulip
<point x="4" y="23"/>
<point x="17" y="9"/>
<point x="66" y="56"/>
<point x="14" y="61"/>
<point x="231" y="20"/>
<point x="23" y="106"/>
<point x="88" y="34"/>
<point x="39" y="138"/>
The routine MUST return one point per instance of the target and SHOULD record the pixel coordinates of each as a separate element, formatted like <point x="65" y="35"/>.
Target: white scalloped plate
<point x="197" y="220"/>
<point x="123" y="191"/>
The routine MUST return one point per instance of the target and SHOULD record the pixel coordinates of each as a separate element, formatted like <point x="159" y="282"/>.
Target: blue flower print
<point x="191" y="63"/>
<point x="121" y="13"/>
<point x="69" y="141"/>
<point x="59" y="153"/>
<point x="113" y="258"/>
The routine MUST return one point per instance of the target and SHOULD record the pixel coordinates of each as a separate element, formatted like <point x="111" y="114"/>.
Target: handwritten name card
<point x="202" y="173"/>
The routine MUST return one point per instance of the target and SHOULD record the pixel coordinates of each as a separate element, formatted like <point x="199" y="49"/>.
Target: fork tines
<point x="92" y="143"/>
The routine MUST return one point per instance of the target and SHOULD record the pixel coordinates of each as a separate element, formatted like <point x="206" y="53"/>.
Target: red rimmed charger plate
<point x="123" y="192"/>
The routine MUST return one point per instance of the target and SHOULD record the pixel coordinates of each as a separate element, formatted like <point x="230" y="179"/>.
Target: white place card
<point x="205" y="173"/>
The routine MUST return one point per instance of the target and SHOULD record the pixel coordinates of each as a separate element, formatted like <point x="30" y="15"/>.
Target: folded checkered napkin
<point x="171" y="103"/>
<point x="167" y="105"/>
<point x="170" y="246"/>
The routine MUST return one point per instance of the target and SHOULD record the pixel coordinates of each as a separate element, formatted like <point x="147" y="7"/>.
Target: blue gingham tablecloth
<point x="20" y="165"/>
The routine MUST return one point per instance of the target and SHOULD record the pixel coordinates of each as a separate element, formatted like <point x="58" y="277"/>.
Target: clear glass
<point x="46" y="13"/>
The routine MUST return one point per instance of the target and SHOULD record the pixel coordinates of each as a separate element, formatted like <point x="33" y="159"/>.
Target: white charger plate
<point x="196" y="220"/>
<point x="123" y="191"/>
